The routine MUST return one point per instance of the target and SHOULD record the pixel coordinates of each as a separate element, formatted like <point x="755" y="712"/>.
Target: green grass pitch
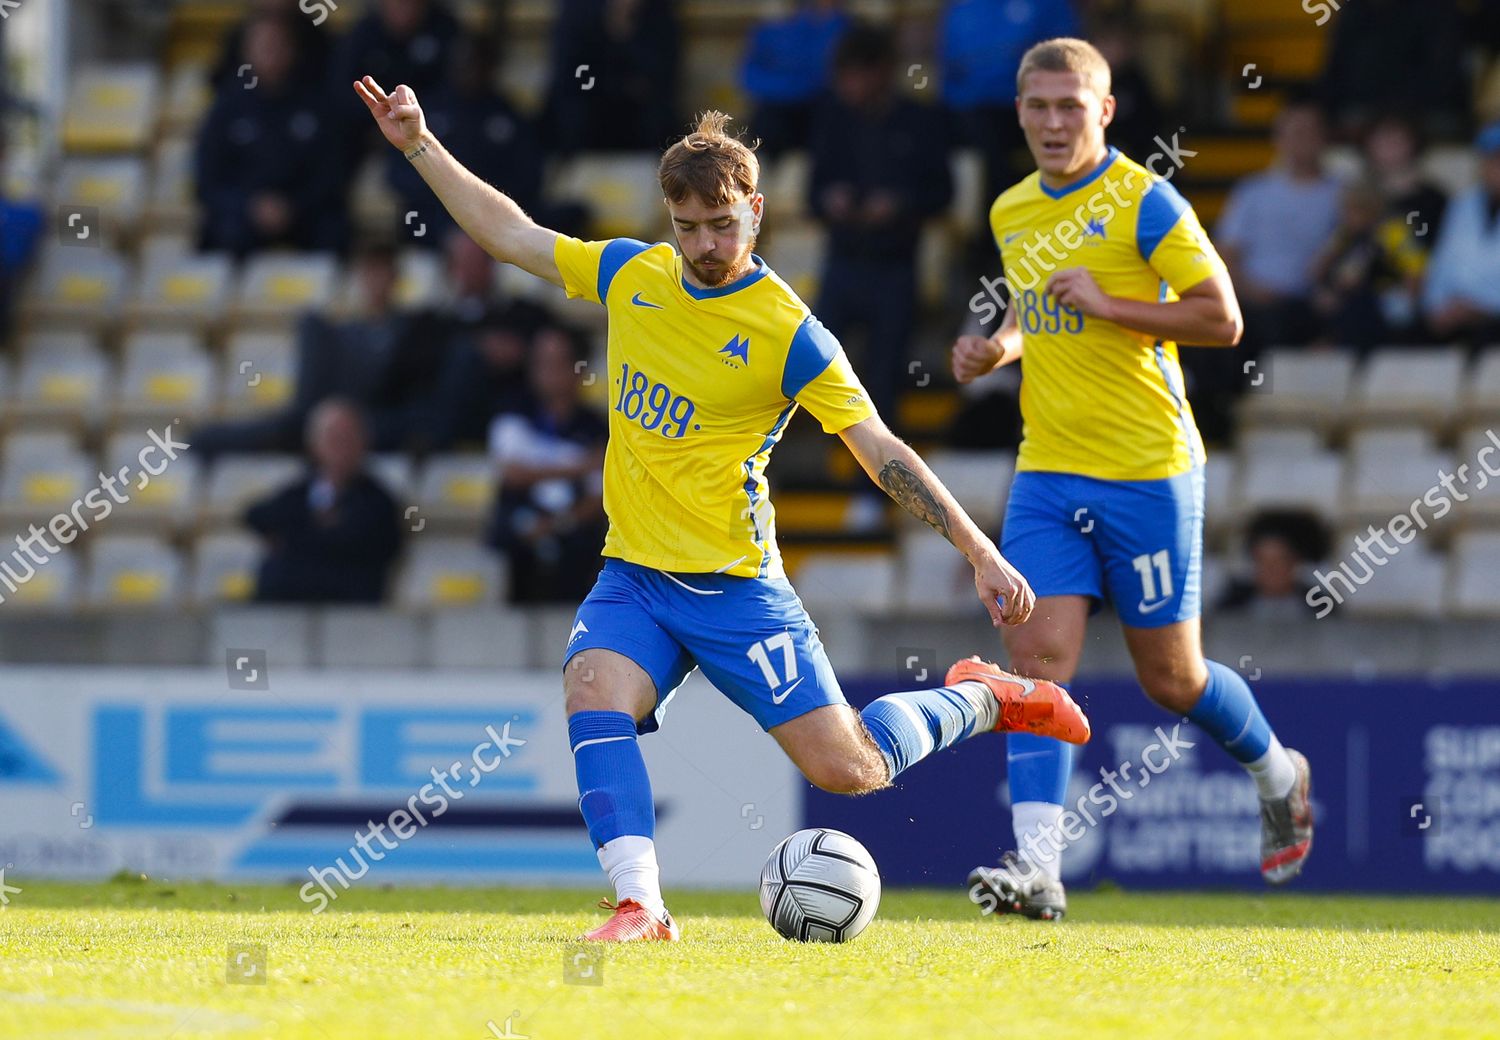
<point x="153" y="959"/>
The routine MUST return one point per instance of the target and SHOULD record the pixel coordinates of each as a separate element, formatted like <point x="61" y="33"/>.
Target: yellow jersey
<point x="1098" y="399"/>
<point x="702" y="383"/>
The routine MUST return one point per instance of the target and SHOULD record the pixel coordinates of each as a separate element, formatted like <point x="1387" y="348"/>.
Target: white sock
<point x="1040" y="818"/>
<point x="986" y="708"/>
<point x="630" y="862"/>
<point x="1273" y="772"/>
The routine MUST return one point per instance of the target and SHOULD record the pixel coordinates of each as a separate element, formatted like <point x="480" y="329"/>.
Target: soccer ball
<point x="819" y="885"/>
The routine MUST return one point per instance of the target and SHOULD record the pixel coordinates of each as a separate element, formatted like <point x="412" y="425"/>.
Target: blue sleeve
<point x="615" y="256"/>
<point x="813" y="349"/>
<point x="1161" y="208"/>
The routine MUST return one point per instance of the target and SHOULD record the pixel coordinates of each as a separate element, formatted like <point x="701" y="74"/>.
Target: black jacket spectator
<point x="268" y="170"/>
<point x="549" y="515"/>
<point x="314" y="46"/>
<point x="879" y="171"/>
<point x="333" y="535"/>
<point x="1390" y="55"/>
<point x="400" y="41"/>
<point x="614" y="75"/>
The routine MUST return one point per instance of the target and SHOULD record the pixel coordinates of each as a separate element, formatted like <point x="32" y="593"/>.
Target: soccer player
<point x="1108" y="268"/>
<point x="709" y="354"/>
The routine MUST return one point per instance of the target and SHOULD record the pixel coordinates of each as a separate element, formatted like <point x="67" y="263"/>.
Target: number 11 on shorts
<point x="1148" y="566"/>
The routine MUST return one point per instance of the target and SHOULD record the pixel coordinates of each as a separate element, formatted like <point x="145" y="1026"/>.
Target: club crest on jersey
<point x="739" y="347"/>
<point x="1094" y="229"/>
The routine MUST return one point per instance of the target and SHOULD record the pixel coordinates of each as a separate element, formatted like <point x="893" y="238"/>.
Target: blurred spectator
<point x="980" y="48"/>
<point x="333" y="535"/>
<point x="786" y="70"/>
<point x="549" y="515"/>
<point x="1138" y="114"/>
<point x="1392" y="151"/>
<point x="267" y="164"/>
<point x="400" y="41"/>
<point x="879" y="170"/>
<point x="1282" y="546"/>
<point x="313" y="46"/>
<point x="20" y="228"/>
<point x="1274" y="228"/>
<point x="1369" y="281"/>
<point x="614" y="75"/>
<point x="484" y="341"/>
<point x="378" y="358"/>
<point x="484" y="132"/>
<point x="1463" y="278"/>
<point x="1397" y="54"/>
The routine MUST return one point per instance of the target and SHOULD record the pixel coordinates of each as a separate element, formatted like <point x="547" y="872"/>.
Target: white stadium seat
<point x="841" y="581"/>
<point x="238" y="480"/>
<point x="1306" y="386"/>
<point x="258" y="372"/>
<point x="1473" y="565"/>
<point x="1312" y="482"/>
<point x="1420" y="383"/>
<point x="980" y="480"/>
<point x="450" y="573"/>
<point x="224" y="568"/>
<point x="133" y="571"/>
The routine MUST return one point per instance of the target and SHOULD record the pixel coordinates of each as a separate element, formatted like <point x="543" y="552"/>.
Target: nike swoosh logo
<point x="788" y="692"/>
<point x="1142" y="608"/>
<point x="1012" y="237"/>
<point x="636" y="299"/>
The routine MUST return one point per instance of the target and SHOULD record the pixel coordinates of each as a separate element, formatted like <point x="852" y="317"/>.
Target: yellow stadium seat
<point x="279" y="287"/>
<point x="111" y="108"/>
<point x="456" y="487"/>
<point x="164" y="373"/>
<point x="76" y="287"/>
<point x="258" y="372"/>
<point x="224" y="568"/>
<point x="63" y="381"/>
<point x="133" y="571"/>
<point x="191" y="289"/>
<point x="622" y="190"/>
<point x="450" y="573"/>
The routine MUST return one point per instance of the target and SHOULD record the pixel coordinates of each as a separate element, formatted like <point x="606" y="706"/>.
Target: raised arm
<point x="903" y="475"/>
<point x="489" y="217"/>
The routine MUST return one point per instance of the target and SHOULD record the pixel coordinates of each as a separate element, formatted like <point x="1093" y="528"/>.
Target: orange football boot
<point x="1026" y="705"/>
<point x="632" y="922"/>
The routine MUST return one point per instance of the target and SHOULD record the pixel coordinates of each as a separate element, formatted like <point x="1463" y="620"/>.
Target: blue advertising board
<point x="1406" y="790"/>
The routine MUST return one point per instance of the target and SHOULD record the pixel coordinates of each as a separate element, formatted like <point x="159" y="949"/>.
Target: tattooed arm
<point x="903" y="475"/>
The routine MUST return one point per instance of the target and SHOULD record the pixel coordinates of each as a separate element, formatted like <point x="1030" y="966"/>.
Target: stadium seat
<point x="164" y="374"/>
<point x="1381" y="485"/>
<point x="75" y="287"/>
<point x="258" y="372"/>
<point x="1220" y="473"/>
<point x="1312" y="482"/>
<point x="1481" y="392"/>
<point x="30" y="444"/>
<point x="1308" y="387"/>
<point x="43" y="474"/>
<point x="934" y="578"/>
<point x="170" y="495"/>
<point x="1473" y="564"/>
<point x="371" y="201"/>
<point x="1279" y="441"/>
<point x="843" y="581"/>
<point x="525" y="73"/>
<point x="187" y="97"/>
<point x="456" y="487"/>
<point x="785" y="182"/>
<point x="798" y="248"/>
<point x="52" y="587"/>
<point x="1408" y="584"/>
<point x="278" y="287"/>
<point x="132" y="571"/>
<point x="622" y="190"/>
<point x="937" y="259"/>
<point x="172" y="205"/>
<point x="1375" y="444"/>
<point x="450" y="573"/>
<point x="419" y="283"/>
<point x="980" y="480"/>
<point x="236" y="481"/>
<point x="1420" y="383"/>
<point x="224" y="568"/>
<point x="63" y="381"/>
<point x="115" y="186"/>
<point x="967" y="208"/>
<point x="111" y="108"/>
<point x="184" y="290"/>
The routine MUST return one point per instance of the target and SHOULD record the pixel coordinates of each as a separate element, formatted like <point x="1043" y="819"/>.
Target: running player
<point x="709" y="354"/>
<point x="1108" y="269"/>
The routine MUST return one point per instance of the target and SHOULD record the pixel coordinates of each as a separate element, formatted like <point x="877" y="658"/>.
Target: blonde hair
<point x="1066" y="54"/>
<point x="710" y="163"/>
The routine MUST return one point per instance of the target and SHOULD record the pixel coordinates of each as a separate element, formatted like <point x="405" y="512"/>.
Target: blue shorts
<point x="1136" y="543"/>
<point x="751" y="636"/>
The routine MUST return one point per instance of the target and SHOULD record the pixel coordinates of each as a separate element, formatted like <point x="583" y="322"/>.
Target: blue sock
<point x="1037" y="767"/>
<point x="614" y="792"/>
<point x="1227" y="712"/>
<point x="908" y="727"/>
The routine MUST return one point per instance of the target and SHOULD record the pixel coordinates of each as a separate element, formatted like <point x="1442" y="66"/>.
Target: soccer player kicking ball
<point x="709" y="355"/>
<point x="1108" y="269"/>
